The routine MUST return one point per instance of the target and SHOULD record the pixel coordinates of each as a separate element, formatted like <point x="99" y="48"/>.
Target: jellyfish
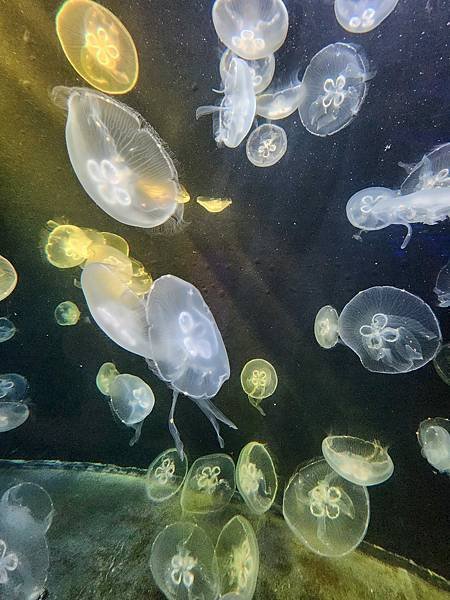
<point x="13" y="387"/>
<point x="259" y="380"/>
<point x="214" y="205"/>
<point x="266" y="145"/>
<point x="327" y="513"/>
<point x="12" y="415"/>
<point x="105" y="376"/>
<point x="132" y="400"/>
<point x="326" y="327"/>
<point x="8" y="278"/>
<point x="117" y="242"/>
<point x="434" y="438"/>
<point x="234" y="117"/>
<point x="441" y="363"/>
<point x="183" y="196"/>
<point x="279" y="104"/>
<point x="107" y="255"/>
<point x="256" y="478"/>
<point x="7" y="329"/>
<point x="432" y="171"/>
<point x="361" y="16"/>
<point x="116" y="309"/>
<point x="67" y="313"/>
<point x="238" y="559"/>
<point x="32" y="498"/>
<point x="262" y="70"/>
<point x="186" y="349"/>
<point x="183" y="563"/>
<point x="98" y="46"/>
<point x="120" y="161"/>
<point x="361" y="462"/>
<point x="209" y="485"/>
<point x="66" y="246"/>
<point x="165" y="475"/>
<point x="442" y="287"/>
<point x="252" y="30"/>
<point x="391" y="330"/>
<point x="334" y="87"/>
<point x="141" y="280"/>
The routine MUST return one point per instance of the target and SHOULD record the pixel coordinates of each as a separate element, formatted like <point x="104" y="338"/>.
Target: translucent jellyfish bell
<point x="361" y="462"/>
<point x="183" y="563"/>
<point x="12" y="415"/>
<point x="327" y="513"/>
<point x="165" y="475"/>
<point x="442" y="287"/>
<point x="132" y="400"/>
<point x="8" y="278"/>
<point x="266" y="145"/>
<point x="326" y="327"/>
<point x="279" y="104"/>
<point x="120" y="161"/>
<point x="252" y="30"/>
<point x="7" y="329"/>
<point x="116" y="241"/>
<point x="441" y="363"/>
<point x="209" y="485"/>
<point x="256" y="478"/>
<point x="334" y="87"/>
<point x="262" y="70"/>
<point x="259" y="380"/>
<point x="186" y="348"/>
<point x="238" y="559"/>
<point x="391" y="330"/>
<point x="107" y="255"/>
<point x="32" y="498"/>
<point x="67" y="246"/>
<point x="369" y="209"/>
<point x="432" y="171"/>
<point x="434" y="438"/>
<point x="67" y="313"/>
<point x="13" y="387"/>
<point x="105" y="376"/>
<point x="361" y="16"/>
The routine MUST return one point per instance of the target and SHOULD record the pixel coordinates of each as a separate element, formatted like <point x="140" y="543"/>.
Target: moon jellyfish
<point x="334" y="87"/>
<point x="119" y="159"/>
<point x="391" y="330"/>
<point x="259" y="380"/>
<point x="118" y="311"/>
<point x="183" y="563"/>
<point x="434" y="438"/>
<point x="234" y="117"/>
<point x="165" y="475"/>
<point x="327" y="513"/>
<point x="105" y="376"/>
<point x="7" y="329"/>
<point x="442" y="287"/>
<point x="67" y="246"/>
<point x="252" y="30"/>
<point x="326" y="327"/>
<point x="209" y="485"/>
<point x="12" y="415"/>
<point x="441" y="363"/>
<point x="214" y="205"/>
<point x="430" y="172"/>
<point x="262" y="70"/>
<point x="186" y="349"/>
<point x="266" y="145"/>
<point x="116" y="241"/>
<point x="67" y="313"/>
<point x="32" y="498"/>
<point x="238" y="559"/>
<point x="98" y="46"/>
<point x="132" y="400"/>
<point x="141" y="280"/>
<point x="256" y="478"/>
<point x="13" y="387"/>
<point x="361" y="16"/>
<point x="358" y="461"/>
<point x="280" y="104"/>
<point x="8" y="278"/>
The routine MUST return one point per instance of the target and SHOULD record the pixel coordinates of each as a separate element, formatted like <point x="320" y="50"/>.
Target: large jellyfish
<point x="132" y="400"/>
<point x="430" y="172"/>
<point x="119" y="159"/>
<point x="361" y="16"/>
<point x="442" y="287"/>
<point x="391" y="330"/>
<point x="186" y="348"/>
<point x="252" y="30"/>
<point x="8" y="278"/>
<point x="333" y="88"/>
<point x="434" y="438"/>
<point x="262" y="70"/>
<point x="266" y="145"/>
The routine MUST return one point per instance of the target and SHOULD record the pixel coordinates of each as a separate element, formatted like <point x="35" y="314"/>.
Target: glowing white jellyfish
<point x="13" y="387"/>
<point x="326" y="327"/>
<point x="165" y="475"/>
<point x="12" y="415"/>
<point x="361" y="16"/>
<point x="430" y="172"/>
<point x="434" y="438"/>
<point x="279" y="104"/>
<point x="256" y="478"/>
<point x="262" y="70"/>
<point x="132" y="400"/>
<point x="266" y="145"/>
<point x="33" y="499"/>
<point x="442" y="287"/>
<point x="7" y="329"/>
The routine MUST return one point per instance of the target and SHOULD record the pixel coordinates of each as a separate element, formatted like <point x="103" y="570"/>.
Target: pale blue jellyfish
<point x="33" y="499"/>
<point x="261" y="70"/>
<point x="13" y="387"/>
<point x="7" y="329"/>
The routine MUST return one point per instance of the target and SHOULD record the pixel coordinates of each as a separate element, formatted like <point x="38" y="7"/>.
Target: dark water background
<point x="265" y="265"/>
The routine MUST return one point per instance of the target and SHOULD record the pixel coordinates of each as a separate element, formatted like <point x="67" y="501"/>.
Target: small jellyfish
<point x="262" y="70"/>
<point x="327" y="513"/>
<point x="256" y="478"/>
<point x="67" y="313"/>
<point x="132" y="400"/>
<point x="326" y="327"/>
<point x="105" y="376"/>
<point x="441" y="363"/>
<point x="67" y="246"/>
<point x="361" y="462"/>
<point x="209" y="485"/>
<point x="183" y="563"/>
<point x="120" y="161"/>
<point x="442" y="287"/>
<point x="8" y="278"/>
<point x="98" y="46"/>
<point x="12" y="415"/>
<point x="7" y="329"/>
<point x="238" y="559"/>
<point x="234" y="117"/>
<point x="252" y="30"/>
<point x="32" y="498"/>
<point x="434" y="438"/>
<point x="334" y="87"/>
<point x="432" y="171"/>
<point x="279" y="104"/>
<point x="391" y="330"/>
<point x="214" y="205"/>
<point x="13" y="387"/>
<point x="259" y="380"/>
<point x="165" y="475"/>
<point x="266" y="145"/>
<point x="361" y="16"/>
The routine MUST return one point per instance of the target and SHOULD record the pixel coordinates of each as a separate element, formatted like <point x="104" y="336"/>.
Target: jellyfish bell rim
<point x="177" y="489"/>
<point x="12" y="269"/>
<point x="431" y="421"/>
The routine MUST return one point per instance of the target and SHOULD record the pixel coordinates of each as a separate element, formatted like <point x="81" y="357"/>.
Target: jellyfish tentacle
<point x="137" y="432"/>
<point x="408" y="235"/>
<point x="173" y="428"/>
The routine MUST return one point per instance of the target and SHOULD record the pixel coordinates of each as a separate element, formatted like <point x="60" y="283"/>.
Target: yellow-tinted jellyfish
<point x="141" y="280"/>
<point x="105" y="376"/>
<point x="256" y="478"/>
<point x="165" y="475"/>
<point x="214" y="205"/>
<point x="116" y="241"/>
<point x="259" y="380"/>
<point x="183" y="195"/>
<point x="67" y="313"/>
<point x="67" y="246"/>
<point x="107" y="255"/>
<point x="98" y="46"/>
<point x="8" y="278"/>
